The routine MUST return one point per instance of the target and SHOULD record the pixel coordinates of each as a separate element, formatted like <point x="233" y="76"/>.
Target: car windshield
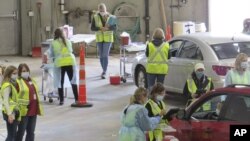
<point x="230" y="50"/>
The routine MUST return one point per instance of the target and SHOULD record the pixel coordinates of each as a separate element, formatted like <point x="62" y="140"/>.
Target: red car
<point x="209" y="118"/>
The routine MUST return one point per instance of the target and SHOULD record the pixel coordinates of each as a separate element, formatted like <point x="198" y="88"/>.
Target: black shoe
<point x="103" y="76"/>
<point x="61" y="103"/>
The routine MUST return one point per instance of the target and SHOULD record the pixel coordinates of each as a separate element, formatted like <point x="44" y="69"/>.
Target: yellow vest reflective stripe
<point x="24" y="97"/>
<point x="156" y="133"/>
<point x="106" y="36"/>
<point x="12" y="99"/>
<point x="63" y="57"/>
<point x="240" y="79"/>
<point x="157" y="59"/>
<point x="192" y="88"/>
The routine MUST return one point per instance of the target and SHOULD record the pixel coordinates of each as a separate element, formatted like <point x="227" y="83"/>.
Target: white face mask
<point x="102" y="13"/>
<point x="14" y="76"/>
<point x="25" y="75"/>
<point x="244" y="65"/>
<point x="159" y="97"/>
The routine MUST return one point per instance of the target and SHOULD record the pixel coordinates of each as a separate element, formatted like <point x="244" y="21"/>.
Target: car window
<point x="174" y="47"/>
<point x="238" y="109"/>
<point x="209" y="109"/>
<point x="190" y="50"/>
<point x="176" y="44"/>
<point x="231" y="50"/>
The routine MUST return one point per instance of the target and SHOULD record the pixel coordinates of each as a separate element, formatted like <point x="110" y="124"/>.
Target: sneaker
<point x="61" y="103"/>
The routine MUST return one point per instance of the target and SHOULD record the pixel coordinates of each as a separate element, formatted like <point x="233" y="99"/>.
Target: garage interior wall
<point x="52" y="17"/>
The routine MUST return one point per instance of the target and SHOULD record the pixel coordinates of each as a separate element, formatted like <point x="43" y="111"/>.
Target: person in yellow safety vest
<point x="135" y="119"/>
<point x="10" y="107"/>
<point x="104" y="35"/>
<point x="28" y="100"/>
<point x="240" y="74"/>
<point x="157" y="107"/>
<point x="197" y="84"/>
<point x="158" y="53"/>
<point x="64" y="62"/>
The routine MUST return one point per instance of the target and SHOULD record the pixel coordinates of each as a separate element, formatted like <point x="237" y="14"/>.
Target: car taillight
<point x="221" y="70"/>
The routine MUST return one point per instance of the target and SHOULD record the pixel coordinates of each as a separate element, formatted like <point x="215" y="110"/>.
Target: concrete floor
<point x="64" y="123"/>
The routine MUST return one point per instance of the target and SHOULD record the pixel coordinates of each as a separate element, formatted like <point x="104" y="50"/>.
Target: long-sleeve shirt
<point x="135" y="121"/>
<point x="6" y="96"/>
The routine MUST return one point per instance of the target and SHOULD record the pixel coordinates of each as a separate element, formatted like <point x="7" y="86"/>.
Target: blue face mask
<point x="199" y="74"/>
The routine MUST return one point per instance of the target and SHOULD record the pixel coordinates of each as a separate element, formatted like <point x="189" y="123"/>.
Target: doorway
<point x="227" y="16"/>
<point x="9" y="34"/>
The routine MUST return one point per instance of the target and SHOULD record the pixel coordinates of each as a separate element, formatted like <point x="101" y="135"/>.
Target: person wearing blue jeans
<point x="104" y="49"/>
<point x="154" y="78"/>
<point x="158" y="53"/>
<point x="102" y="25"/>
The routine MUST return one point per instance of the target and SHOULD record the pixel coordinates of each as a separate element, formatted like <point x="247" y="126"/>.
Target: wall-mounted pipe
<point x="147" y="18"/>
<point x="62" y="3"/>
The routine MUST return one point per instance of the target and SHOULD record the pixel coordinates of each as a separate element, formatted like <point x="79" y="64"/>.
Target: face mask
<point x="14" y="76"/>
<point x="159" y="97"/>
<point x="199" y="74"/>
<point x="25" y="75"/>
<point x="244" y="65"/>
<point x="102" y="13"/>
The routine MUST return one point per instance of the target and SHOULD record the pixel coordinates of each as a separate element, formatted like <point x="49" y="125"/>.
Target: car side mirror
<point x="181" y="114"/>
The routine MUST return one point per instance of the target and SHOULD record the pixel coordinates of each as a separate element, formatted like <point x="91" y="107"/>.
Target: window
<point x="231" y="50"/>
<point x="238" y="109"/>
<point x="174" y="46"/>
<point x="191" y="51"/>
<point x="210" y="109"/>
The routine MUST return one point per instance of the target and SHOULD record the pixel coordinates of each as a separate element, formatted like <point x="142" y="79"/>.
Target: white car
<point x="217" y="52"/>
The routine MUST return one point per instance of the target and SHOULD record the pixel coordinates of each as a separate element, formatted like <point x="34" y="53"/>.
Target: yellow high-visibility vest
<point x="13" y="104"/>
<point x="157" y="59"/>
<point x="106" y="36"/>
<point x="156" y="110"/>
<point x="192" y="88"/>
<point x="23" y="97"/>
<point x="63" y="57"/>
<point x="238" y="79"/>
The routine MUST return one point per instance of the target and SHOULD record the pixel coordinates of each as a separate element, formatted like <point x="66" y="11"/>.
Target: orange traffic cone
<point x="168" y="33"/>
<point x="82" y="102"/>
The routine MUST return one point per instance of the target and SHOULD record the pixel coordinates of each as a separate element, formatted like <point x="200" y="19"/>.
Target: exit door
<point x="9" y="27"/>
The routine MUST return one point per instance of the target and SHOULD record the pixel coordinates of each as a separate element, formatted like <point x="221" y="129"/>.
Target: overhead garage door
<point x="8" y="27"/>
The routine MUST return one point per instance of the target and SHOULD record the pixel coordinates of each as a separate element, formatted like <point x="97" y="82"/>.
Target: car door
<point x="181" y="66"/>
<point x="206" y="122"/>
<point x="170" y="78"/>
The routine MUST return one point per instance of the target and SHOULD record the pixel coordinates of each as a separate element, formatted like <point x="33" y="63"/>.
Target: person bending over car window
<point x="198" y="84"/>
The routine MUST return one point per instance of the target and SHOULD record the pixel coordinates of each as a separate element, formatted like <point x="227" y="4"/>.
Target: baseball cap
<point x="199" y="66"/>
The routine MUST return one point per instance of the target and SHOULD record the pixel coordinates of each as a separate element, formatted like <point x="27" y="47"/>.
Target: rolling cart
<point x="48" y="89"/>
<point x="127" y="56"/>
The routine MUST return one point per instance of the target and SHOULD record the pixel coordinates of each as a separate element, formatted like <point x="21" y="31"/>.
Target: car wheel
<point x="141" y="77"/>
